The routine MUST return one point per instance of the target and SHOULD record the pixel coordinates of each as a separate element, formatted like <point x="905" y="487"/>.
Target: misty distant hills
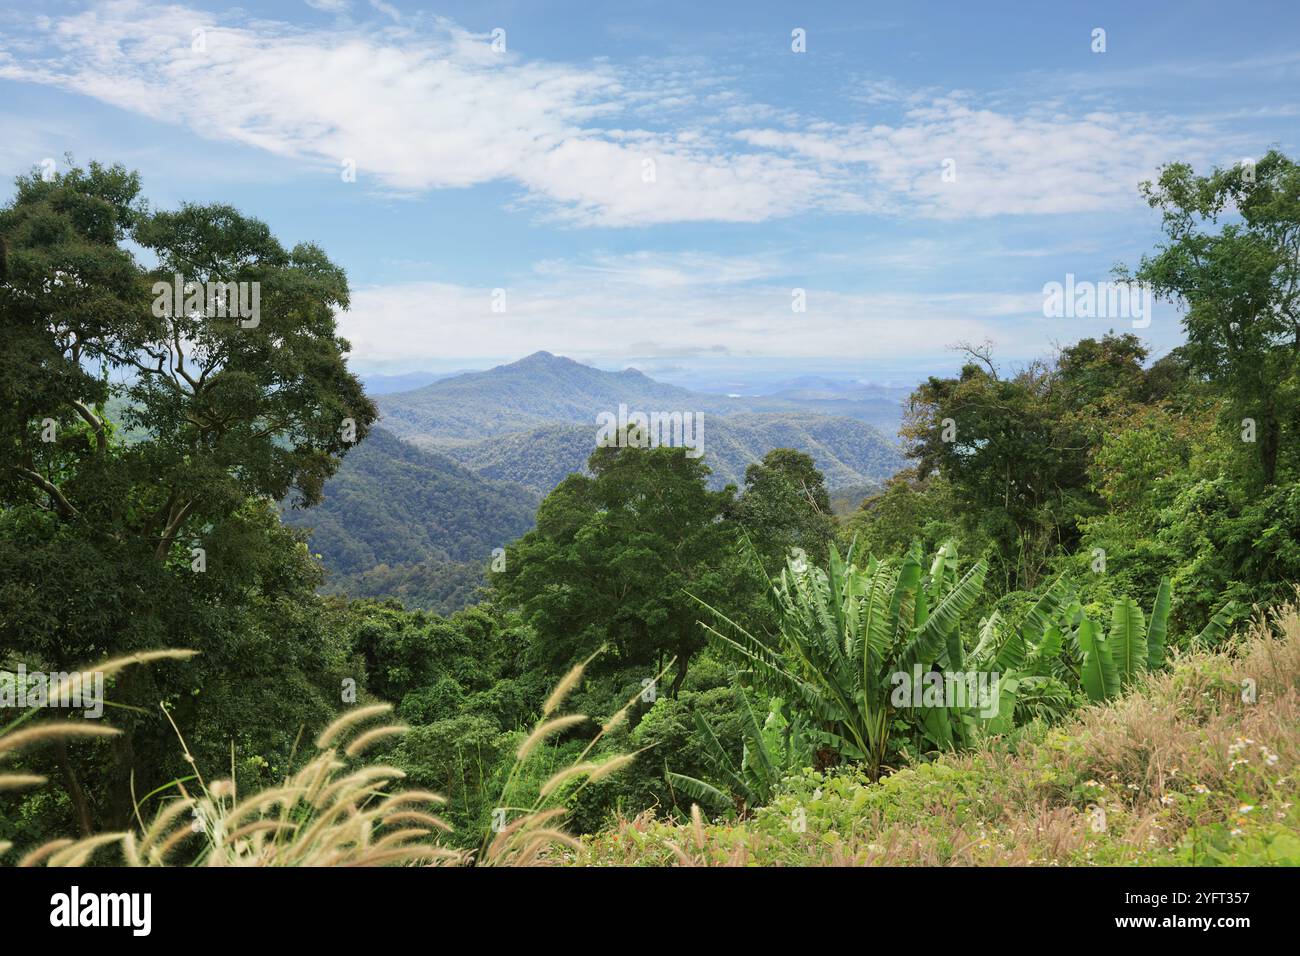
<point x="542" y="389"/>
<point x="534" y="421"/>
<point x="460" y="464"/>
<point x="848" y="452"/>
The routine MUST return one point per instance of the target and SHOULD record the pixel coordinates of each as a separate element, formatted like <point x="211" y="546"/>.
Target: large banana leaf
<point x="1128" y="640"/>
<point x="699" y="790"/>
<point x="1014" y="652"/>
<point x="1098" y="674"/>
<point x="986" y="646"/>
<point x="756" y="760"/>
<point x="930" y="638"/>
<point x="1158" y="628"/>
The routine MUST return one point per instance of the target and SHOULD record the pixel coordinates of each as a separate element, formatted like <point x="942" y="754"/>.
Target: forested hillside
<point x="393" y="503"/>
<point x="848" y="452"/>
<point x="397" y="521"/>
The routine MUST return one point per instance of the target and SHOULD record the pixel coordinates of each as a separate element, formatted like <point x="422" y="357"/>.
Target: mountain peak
<point x="542" y="358"/>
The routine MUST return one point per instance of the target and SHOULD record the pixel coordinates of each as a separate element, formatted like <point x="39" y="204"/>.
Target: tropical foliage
<point x="996" y="636"/>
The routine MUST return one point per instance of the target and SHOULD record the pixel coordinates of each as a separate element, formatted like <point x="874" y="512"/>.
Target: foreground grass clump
<point x="1193" y="766"/>
<point x="335" y="811"/>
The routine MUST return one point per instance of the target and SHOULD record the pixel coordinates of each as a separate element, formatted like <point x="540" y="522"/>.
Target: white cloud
<point x="662" y="305"/>
<point x="431" y="106"/>
<point x="1039" y="163"/>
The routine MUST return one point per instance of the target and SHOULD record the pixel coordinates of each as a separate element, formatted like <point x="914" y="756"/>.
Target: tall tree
<point x="1232" y="259"/>
<point x="113" y="544"/>
<point x="614" y="555"/>
<point x="785" y="506"/>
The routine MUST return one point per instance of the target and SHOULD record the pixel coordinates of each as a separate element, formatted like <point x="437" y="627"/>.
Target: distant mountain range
<point x="383" y="384"/>
<point x="459" y="464"/>
<point x="848" y="452"/>
<point x="534" y="421"/>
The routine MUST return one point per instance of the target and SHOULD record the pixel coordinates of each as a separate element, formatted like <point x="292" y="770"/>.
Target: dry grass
<point x="1181" y="770"/>
<point x="335" y="811"/>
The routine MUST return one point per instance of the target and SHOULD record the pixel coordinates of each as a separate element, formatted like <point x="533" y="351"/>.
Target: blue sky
<point x="649" y="182"/>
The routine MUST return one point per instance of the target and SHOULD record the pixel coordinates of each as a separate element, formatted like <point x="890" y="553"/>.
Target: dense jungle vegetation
<point x="1093" y="527"/>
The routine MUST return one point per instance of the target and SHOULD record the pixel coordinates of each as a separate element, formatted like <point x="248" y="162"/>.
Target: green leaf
<point x="1128" y="640"/>
<point x="1158" y="628"/>
<point x="929" y="641"/>
<point x="699" y="790"/>
<point x="1214" y="632"/>
<point x="1097" y="674"/>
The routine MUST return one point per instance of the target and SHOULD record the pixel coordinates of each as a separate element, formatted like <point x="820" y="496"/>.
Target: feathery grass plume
<point x="66" y="851"/>
<point x="562" y="690"/>
<point x="258" y="827"/>
<point x="547" y="729"/>
<point x="322" y="815"/>
<point x="349" y="719"/>
<point x="33" y="857"/>
<point x="612" y="766"/>
<point x="111" y="666"/>
<point x="11" y="741"/>
<point x="161" y="822"/>
<point x="415" y="816"/>
<point x="414" y="796"/>
<point x="567" y="683"/>
<point x="131" y="849"/>
<point x="620" y="715"/>
<point x="525" y="841"/>
<point x="17" y="781"/>
<point x="678" y="852"/>
<point x="697" y="824"/>
<point x="522" y="839"/>
<point x="371" y="736"/>
<point x="344" y="787"/>
<point x="62" y="730"/>
<point x="115" y="664"/>
<point x="568" y="773"/>
<point x="79" y="853"/>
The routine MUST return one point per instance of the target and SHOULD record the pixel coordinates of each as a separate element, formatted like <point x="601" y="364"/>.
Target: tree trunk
<point x="80" y="806"/>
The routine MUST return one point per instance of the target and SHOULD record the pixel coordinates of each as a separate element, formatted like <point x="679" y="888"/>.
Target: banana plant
<point x="1112" y="662"/>
<point x="1024" y="662"/>
<point x="770" y="752"/>
<point x="1216" y="630"/>
<point x="843" y="634"/>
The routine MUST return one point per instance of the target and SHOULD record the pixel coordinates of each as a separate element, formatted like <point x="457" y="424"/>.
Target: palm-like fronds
<point x="844" y="632"/>
<point x="771" y="750"/>
<point x="1111" y="662"/>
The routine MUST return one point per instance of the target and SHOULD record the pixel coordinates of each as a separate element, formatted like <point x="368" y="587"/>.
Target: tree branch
<point x="174" y="522"/>
<point x="61" y="503"/>
<point x="101" y="439"/>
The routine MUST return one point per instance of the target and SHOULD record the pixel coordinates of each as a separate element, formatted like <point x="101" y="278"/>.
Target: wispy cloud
<point x="426" y="105"/>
